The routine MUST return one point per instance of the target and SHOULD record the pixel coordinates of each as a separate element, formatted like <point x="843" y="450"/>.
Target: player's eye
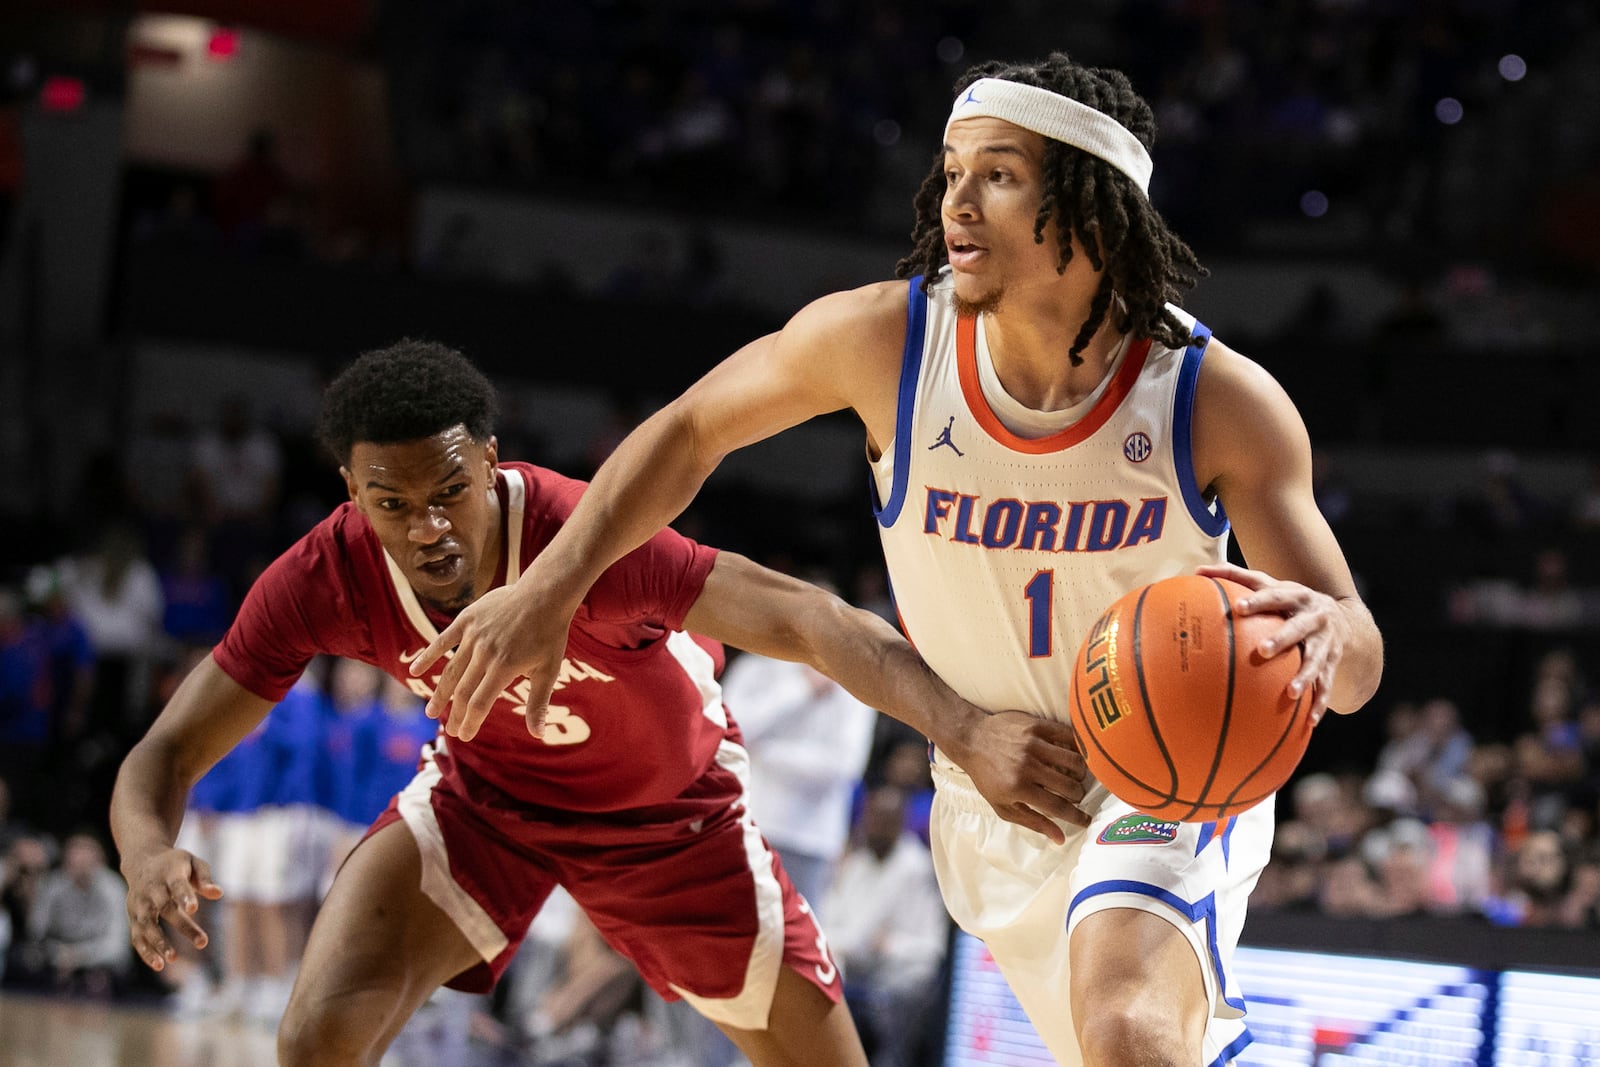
<point x="453" y="490"/>
<point x="391" y="504"/>
<point x="952" y="176"/>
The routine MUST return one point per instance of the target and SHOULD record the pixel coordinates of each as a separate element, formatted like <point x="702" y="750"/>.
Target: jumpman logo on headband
<point x="944" y="438"/>
<point x="971" y="97"/>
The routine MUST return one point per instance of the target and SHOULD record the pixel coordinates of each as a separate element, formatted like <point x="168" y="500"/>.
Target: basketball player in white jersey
<point x="1047" y="431"/>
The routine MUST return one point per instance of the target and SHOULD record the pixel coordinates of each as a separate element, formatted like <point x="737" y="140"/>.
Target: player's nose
<point x="428" y="526"/>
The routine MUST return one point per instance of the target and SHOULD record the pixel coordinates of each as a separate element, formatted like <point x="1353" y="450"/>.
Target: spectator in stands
<point x="1463" y="853"/>
<point x="27" y="862"/>
<point x="1551" y="602"/>
<point x="906" y="769"/>
<point x="71" y="656"/>
<point x="197" y="601"/>
<point x="1401" y="853"/>
<point x="592" y="988"/>
<point x="808" y="741"/>
<point x="1433" y="754"/>
<point x="10" y="828"/>
<point x="1581" y="908"/>
<point x="266" y="858"/>
<point x="1348" y="890"/>
<point x="389" y="746"/>
<point x="245" y="192"/>
<point x="889" y="930"/>
<point x="1331" y="807"/>
<point x="1538" y="880"/>
<point x="115" y="593"/>
<point x="25" y="726"/>
<point x="1500" y="501"/>
<point x="235" y="470"/>
<point x="1290" y="881"/>
<point x="78" y="923"/>
<point x="341" y="795"/>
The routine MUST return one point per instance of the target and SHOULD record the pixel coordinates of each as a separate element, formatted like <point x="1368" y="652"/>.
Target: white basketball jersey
<point x="1003" y="550"/>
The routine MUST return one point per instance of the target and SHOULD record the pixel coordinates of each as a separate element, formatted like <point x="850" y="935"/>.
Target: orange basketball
<point x="1176" y="712"/>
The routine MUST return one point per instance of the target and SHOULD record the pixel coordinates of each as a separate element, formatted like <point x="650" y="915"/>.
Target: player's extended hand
<point x="1029" y="770"/>
<point x="1312" y="620"/>
<point x="166" y="887"/>
<point x="498" y="638"/>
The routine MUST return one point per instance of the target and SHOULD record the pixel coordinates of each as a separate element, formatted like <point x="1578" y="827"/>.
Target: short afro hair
<point x="405" y="392"/>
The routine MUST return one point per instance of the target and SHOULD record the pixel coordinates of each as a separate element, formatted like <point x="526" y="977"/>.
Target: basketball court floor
<point x="52" y="1032"/>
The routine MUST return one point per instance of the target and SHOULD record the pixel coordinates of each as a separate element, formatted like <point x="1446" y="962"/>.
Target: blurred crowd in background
<point x="1453" y="143"/>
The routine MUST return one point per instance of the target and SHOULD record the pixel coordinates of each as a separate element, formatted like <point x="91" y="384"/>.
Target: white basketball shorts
<point x="1023" y="895"/>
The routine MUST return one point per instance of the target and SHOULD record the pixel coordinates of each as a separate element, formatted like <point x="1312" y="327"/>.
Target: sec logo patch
<point x="1137" y="447"/>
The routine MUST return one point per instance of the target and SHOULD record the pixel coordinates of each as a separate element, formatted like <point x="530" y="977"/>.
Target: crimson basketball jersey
<point x="636" y="715"/>
<point x="1002" y="550"/>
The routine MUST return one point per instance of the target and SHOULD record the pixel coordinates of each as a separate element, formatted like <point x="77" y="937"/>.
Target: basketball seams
<point x="1170" y="795"/>
<point x="1232" y="661"/>
<point x="1205" y="783"/>
<point x="1085" y="729"/>
<point x="1294" y="720"/>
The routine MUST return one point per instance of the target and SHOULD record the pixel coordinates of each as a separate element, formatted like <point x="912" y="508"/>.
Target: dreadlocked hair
<point x="410" y="390"/>
<point x="1140" y="260"/>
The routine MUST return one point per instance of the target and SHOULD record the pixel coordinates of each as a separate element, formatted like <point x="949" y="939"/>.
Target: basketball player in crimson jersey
<point x="1046" y="431"/>
<point x="632" y="795"/>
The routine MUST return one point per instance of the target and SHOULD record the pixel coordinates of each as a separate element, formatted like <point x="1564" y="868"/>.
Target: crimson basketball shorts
<point x="1023" y="895"/>
<point x="689" y="891"/>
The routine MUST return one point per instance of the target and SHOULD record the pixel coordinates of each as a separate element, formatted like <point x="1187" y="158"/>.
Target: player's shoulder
<point x="1242" y="416"/>
<point x="870" y="317"/>
<point x="550" y="495"/>
<point x="338" y="537"/>
<point x="1231" y="380"/>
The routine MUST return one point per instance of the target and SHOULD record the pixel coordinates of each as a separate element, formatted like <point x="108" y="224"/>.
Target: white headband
<point x="1059" y="118"/>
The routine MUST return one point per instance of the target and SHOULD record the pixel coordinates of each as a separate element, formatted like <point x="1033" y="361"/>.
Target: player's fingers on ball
<point x="1294" y="630"/>
<point x="1057" y="733"/>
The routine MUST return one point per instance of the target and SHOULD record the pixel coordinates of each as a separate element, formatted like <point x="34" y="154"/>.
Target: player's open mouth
<point x="441" y="571"/>
<point x="962" y="252"/>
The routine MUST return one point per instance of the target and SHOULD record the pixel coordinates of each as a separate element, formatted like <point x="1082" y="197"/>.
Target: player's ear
<point x="349" y="483"/>
<point x="491" y="452"/>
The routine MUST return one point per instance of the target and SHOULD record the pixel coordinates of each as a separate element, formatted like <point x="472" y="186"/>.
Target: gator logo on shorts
<point x="1139" y="829"/>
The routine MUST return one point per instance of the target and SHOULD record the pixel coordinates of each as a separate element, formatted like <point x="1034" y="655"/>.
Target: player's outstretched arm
<point x="1252" y="449"/>
<point x="1026" y="767"/>
<point x="819" y="362"/>
<point x="207" y="716"/>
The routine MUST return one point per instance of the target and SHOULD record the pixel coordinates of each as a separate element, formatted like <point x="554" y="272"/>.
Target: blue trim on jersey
<point x="1239" y="1044"/>
<point x="1204" y="908"/>
<point x="1213" y="523"/>
<point x="910" y="369"/>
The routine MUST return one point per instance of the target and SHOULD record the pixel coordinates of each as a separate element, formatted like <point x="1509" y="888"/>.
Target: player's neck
<point x="1029" y="349"/>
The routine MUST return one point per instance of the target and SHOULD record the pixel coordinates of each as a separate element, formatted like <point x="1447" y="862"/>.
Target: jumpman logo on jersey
<point x="944" y="438"/>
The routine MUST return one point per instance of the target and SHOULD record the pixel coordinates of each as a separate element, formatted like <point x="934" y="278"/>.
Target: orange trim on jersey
<point x="967" y="366"/>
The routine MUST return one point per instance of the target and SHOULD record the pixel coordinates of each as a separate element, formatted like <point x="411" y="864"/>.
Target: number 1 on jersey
<point x="1040" y="592"/>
